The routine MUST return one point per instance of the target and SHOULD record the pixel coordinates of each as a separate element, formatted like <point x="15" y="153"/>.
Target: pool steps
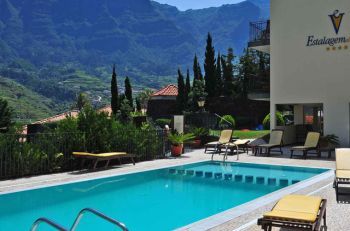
<point x="261" y="180"/>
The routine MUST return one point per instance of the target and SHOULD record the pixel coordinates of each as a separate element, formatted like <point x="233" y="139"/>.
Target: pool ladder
<point x="77" y="220"/>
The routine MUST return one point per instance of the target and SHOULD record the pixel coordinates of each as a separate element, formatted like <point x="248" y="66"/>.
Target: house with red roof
<point x="162" y="103"/>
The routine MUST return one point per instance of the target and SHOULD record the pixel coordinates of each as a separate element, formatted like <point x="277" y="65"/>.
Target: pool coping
<point x="58" y="181"/>
<point x="232" y="213"/>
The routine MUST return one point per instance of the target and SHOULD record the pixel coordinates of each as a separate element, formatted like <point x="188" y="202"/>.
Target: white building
<point x="309" y="44"/>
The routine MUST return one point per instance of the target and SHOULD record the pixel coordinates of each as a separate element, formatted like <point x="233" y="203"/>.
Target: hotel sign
<point x="341" y="41"/>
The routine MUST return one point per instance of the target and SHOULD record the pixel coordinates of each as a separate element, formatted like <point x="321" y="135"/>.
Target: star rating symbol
<point x="334" y="48"/>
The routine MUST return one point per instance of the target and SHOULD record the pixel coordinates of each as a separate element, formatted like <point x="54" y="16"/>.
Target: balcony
<point x="259" y="36"/>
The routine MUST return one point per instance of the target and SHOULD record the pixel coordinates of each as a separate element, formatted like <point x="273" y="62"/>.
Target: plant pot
<point x="176" y="150"/>
<point x="197" y="143"/>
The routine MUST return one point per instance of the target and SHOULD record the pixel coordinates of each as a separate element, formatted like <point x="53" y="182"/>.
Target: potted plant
<point x="329" y="141"/>
<point x="177" y="140"/>
<point x="198" y="133"/>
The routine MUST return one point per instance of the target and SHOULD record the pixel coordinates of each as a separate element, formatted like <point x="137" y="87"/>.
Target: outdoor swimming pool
<point x="162" y="199"/>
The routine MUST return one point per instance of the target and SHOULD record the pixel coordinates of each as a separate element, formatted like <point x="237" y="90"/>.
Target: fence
<point x="204" y="119"/>
<point x="42" y="153"/>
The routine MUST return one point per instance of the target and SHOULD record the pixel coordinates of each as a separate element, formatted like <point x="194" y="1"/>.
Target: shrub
<point x="279" y="118"/>
<point x="199" y="132"/>
<point x="227" y="121"/>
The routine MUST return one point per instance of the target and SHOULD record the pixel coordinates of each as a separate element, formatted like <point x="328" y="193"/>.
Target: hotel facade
<point x="309" y="46"/>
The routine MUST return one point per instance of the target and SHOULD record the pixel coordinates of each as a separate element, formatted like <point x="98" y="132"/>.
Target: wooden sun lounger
<point x="296" y="212"/>
<point x="103" y="157"/>
<point x="311" y="143"/>
<point x="225" y="137"/>
<point x="342" y="172"/>
<point x="276" y="141"/>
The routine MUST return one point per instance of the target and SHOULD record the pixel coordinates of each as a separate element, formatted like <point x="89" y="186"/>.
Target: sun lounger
<point x="296" y="212"/>
<point x="342" y="172"/>
<point x="225" y="137"/>
<point x="103" y="157"/>
<point x="236" y="145"/>
<point x="311" y="143"/>
<point x="276" y="141"/>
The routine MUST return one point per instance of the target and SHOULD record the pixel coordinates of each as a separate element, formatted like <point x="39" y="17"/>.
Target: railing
<point x="51" y="223"/>
<point x="259" y="33"/>
<point x="259" y="83"/>
<point x="42" y="153"/>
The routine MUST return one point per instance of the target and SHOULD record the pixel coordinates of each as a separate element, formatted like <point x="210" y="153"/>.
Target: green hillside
<point x="25" y="103"/>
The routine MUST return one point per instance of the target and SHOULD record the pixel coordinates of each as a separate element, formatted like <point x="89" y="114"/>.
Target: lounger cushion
<point x="237" y="143"/>
<point x="342" y="174"/>
<point x="108" y="154"/>
<point x="301" y="147"/>
<point x="342" y="157"/>
<point x="213" y="143"/>
<point x="268" y="145"/>
<point x="241" y="141"/>
<point x="296" y="208"/>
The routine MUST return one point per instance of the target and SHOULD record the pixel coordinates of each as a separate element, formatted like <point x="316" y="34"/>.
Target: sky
<point x="197" y="4"/>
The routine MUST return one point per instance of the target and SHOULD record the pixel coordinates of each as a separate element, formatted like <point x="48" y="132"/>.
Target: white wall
<point x="301" y="74"/>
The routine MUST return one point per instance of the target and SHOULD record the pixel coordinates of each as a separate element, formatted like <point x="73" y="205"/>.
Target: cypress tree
<point x="128" y="91"/>
<point x="180" y="98"/>
<point x="114" y="93"/>
<point x="195" y="68"/>
<point x="200" y="75"/>
<point x="209" y="68"/>
<point x="219" y="82"/>
<point x="188" y="85"/>
<point x="5" y="115"/>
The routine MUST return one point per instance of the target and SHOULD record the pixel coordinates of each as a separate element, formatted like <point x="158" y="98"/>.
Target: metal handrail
<point x="97" y="213"/>
<point x="226" y="151"/>
<point x="47" y="221"/>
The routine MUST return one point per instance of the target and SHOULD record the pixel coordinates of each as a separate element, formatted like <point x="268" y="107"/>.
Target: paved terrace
<point x="337" y="214"/>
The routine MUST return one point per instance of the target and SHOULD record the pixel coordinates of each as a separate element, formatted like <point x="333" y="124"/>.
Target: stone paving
<point x="337" y="214"/>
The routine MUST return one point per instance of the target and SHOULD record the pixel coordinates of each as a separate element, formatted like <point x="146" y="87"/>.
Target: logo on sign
<point x="336" y="19"/>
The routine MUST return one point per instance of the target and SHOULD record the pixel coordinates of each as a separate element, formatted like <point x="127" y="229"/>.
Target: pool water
<point x="162" y="199"/>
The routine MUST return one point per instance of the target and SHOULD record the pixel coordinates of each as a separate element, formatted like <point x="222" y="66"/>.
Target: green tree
<point x="180" y="98"/>
<point x="125" y="110"/>
<point x="247" y="69"/>
<point x="128" y="91"/>
<point x="138" y="104"/>
<point x="187" y="86"/>
<point x="228" y="70"/>
<point x="5" y="115"/>
<point x="219" y="82"/>
<point x="81" y="101"/>
<point x="144" y="97"/>
<point x="210" y="68"/>
<point x="114" y="93"/>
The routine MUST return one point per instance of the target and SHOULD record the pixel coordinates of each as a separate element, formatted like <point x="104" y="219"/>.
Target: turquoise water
<point x="162" y="199"/>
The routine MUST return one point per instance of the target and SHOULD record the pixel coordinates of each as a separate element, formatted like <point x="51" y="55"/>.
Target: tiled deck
<point x="337" y="214"/>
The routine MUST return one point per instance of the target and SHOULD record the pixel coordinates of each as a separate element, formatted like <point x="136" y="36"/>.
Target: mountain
<point x="58" y="48"/>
